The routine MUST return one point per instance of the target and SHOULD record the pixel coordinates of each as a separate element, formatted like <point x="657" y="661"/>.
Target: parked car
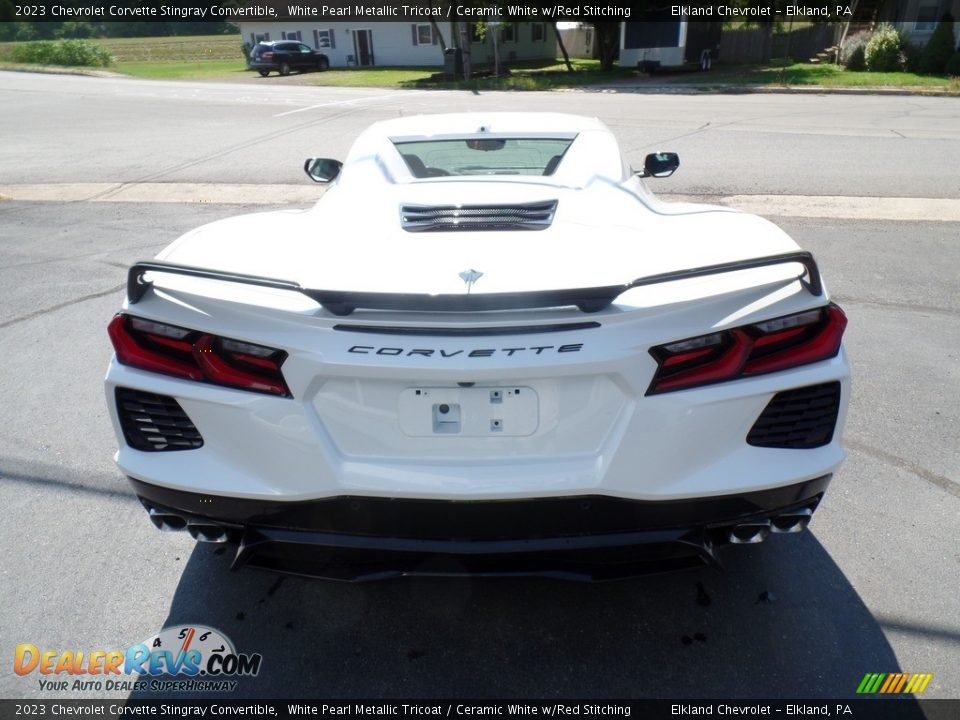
<point x="488" y="348"/>
<point x="284" y="56"/>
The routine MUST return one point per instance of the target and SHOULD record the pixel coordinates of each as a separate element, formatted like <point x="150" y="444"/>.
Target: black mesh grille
<point x="527" y="216"/>
<point x="155" y="422"/>
<point x="802" y="418"/>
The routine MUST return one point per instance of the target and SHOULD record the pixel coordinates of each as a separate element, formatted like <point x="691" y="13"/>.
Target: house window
<point x="324" y="39"/>
<point x="263" y="37"/>
<point x="927" y="15"/>
<point x="508" y="32"/>
<point x="423" y="34"/>
<point x="537" y="32"/>
<point x="295" y="35"/>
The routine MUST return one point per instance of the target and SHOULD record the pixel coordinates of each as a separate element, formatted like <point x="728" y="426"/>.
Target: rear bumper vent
<point x="800" y="419"/>
<point x="432" y="218"/>
<point x="155" y="422"/>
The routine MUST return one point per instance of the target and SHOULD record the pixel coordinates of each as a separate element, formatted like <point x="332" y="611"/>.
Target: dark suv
<point x="284" y="56"/>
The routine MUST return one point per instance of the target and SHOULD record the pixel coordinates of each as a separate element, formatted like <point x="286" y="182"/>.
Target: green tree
<point x="563" y="48"/>
<point x="953" y="67"/>
<point x="940" y="48"/>
<point x="75" y="29"/>
<point x="24" y="31"/>
<point x="607" y="36"/>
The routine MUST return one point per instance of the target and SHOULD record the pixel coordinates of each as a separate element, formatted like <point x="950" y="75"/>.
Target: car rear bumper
<point x="588" y="537"/>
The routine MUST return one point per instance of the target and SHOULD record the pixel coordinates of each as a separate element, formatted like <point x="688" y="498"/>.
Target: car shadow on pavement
<point x="781" y="621"/>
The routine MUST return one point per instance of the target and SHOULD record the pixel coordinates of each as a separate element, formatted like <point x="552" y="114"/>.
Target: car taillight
<point x="763" y="347"/>
<point x="266" y="56"/>
<point x="194" y="355"/>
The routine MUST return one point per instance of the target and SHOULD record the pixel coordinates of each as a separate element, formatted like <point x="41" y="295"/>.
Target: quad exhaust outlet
<point x="207" y="532"/>
<point x="200" y="530"/>
<point x="745" y="533"/>
<point x="166" y="520"/>
<point x="756" y="531"/>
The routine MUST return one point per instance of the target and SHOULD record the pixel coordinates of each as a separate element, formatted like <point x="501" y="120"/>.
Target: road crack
<point x="941" y="481"/>
<point x="60" y="306"/>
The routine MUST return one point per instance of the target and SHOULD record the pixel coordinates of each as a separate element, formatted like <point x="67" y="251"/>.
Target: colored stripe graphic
<point x="894" y="683"/>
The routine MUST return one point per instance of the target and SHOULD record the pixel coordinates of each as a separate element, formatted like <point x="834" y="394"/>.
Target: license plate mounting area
<point x="510" y="410"/>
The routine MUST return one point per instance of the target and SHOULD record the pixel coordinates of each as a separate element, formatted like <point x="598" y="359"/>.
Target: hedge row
<point x="73" y="53"/>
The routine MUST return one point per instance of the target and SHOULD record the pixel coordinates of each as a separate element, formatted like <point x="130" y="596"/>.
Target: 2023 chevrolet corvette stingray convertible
<point x="487" y="349"/>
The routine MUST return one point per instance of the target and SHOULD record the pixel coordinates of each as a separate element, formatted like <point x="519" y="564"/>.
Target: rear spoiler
<point x="588" y="300"/>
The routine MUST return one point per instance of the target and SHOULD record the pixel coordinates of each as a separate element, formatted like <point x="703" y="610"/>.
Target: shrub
<point x="883" y="53"/>
<point x="851" y="56"/>
<point x="953" y="66"/>
<point x="911" y="54"/>
<point x="245" y="49"/>
<point x="939" y="48"/>
<point x="62" y="52"/>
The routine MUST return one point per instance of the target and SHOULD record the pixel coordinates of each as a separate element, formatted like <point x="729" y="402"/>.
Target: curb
<point x="61" y="70"/>
<point x="720" y="89"/>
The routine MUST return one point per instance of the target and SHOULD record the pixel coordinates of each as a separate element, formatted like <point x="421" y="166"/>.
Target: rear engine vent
<point x="801" y="419"/>
<point x="155" y="422"/>
<point x="431" y="218"/>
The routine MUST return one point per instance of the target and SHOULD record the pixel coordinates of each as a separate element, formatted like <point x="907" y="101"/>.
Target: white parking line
<point x="836" y="207"/>
<point x="812" y="206"/>
<point x="337" y="102"/>
<point x="189" y="193"/>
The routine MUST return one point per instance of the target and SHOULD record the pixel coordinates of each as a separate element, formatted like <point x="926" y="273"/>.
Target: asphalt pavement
<point x="872" y="588"/>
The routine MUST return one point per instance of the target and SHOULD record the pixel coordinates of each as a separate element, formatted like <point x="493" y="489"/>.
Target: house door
<point x="363" y="47"/>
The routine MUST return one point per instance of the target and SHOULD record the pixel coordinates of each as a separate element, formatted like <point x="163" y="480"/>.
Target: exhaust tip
<point x="750" y="533"/>
<point x="207" y="532"/>
<point x="166" y="520"/>
<point x="792" y="522"/>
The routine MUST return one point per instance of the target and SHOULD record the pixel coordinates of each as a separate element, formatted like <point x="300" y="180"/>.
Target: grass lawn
<point x="369" y="77"/>
<point x="213" y="57"/>
<point x="801" y="74"/>
<point x="218" y="57"/>
<point x="201" y="70"/>
<point x="542" y="75"/>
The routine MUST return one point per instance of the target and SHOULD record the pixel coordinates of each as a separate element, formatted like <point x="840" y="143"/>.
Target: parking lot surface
<point x="872" y="588"/>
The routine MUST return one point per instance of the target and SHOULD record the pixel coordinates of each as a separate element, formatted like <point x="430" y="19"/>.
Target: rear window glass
<point x="483" y="156"/>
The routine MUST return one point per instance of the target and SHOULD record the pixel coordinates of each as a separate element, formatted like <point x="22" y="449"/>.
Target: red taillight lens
<point x="266" y="56"/>
<point x="193" y="355"/>
<point x="763" y="347"/>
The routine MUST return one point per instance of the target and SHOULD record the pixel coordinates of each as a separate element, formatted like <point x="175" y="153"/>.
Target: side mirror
<point x="322" y="170"/>
<point x="660" y="165"/>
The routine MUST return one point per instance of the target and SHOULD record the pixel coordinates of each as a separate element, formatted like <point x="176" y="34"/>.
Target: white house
<point x="919" y="18"/>
<point x="577" y="39"/>
<point x="384" y="44"/>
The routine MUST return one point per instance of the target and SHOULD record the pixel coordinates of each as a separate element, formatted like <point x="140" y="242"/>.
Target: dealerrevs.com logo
<point x="178" y="658"/>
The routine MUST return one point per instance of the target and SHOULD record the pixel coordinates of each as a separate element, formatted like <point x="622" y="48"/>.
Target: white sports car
<point x="487" y="349"/>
